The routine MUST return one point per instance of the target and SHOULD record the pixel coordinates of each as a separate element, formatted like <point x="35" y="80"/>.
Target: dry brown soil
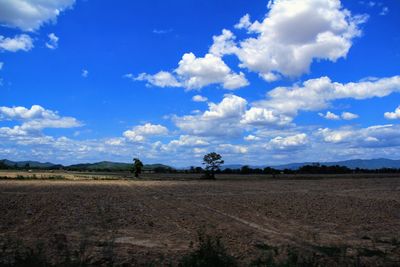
<point x="157" y="220"/>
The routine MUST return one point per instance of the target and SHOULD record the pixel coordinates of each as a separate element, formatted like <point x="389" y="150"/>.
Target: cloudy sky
<point x="260" y="82"/>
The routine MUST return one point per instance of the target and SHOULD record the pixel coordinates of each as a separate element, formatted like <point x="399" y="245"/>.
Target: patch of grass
<point x="266" y="247"/>
<point x="15" y="254"/>
<point x="395" y="242"/>
<point x="210" y="252"/>
<point x="293" y="258"/>
<point x="33" y="177"/>
<point x="331" y="251"/>
<point x="371" y="253"/>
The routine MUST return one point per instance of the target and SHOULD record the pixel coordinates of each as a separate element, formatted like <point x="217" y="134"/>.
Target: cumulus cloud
<point x="223" y="44"/>
<point x="332" y="116"/>
<point x="52" y="43"/>
<point x="230" y="107"/>
<point x="34" y="119"/>
<point x="335" y="136"/>
<point x="199" y="98"/>
<point x="219" y="119"/>
<point x="115" y="141"/>
<point x="197" y="72"/>
<point x="349" y="116"/>
<point x="393" y="115"/>
<point x="160" y="79"/>
<point x="184" y="142"/>
<point x="232" y="149"/>
<point x="19" y="42"/>
<point x="189" y="140"/>
<point x="31" y="15"/>
<point x="23" y="113"/>
<point x="373" y="136"/>
<point x="230" y="117"/>
<point x="329" y="116"/>
<point x="262" y="116"/>
<point x="60" y="122"/>
<point x="317" y="94"/>
<point x="244" y="22"/>
<point x="141" y="132"/>
<point x="288" y="142"/>
<point x="294" y="34"/>
<point x="251" y="137"/>
<point x="286" y="42"/>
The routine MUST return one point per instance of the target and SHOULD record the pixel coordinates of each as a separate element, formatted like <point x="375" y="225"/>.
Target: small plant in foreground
<point x="210" y="252"/>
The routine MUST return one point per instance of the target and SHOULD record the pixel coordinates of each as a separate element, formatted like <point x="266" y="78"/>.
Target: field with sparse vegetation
<point x="96" y="219"/>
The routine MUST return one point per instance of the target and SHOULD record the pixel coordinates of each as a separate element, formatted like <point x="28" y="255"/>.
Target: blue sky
<point x="260" y="82"/>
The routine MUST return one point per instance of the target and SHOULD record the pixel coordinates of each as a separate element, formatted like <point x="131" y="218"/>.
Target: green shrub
<point x="210" y="252"/>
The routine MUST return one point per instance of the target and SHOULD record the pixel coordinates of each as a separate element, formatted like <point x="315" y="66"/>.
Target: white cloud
<point x="160" y="79"/>
<point x="393" y="115"/>
<point x="85" y="73"/>
<point x="336" y="136"/>
<point x="199" y="98"/>
<point x="223" y="44"/>
<point x="329" y="116"/>
<point x="262" y="116"/>
<point x="233" y="149"/>
<point x="19" y="42"/>
<point x="35" y="119"/>
<point x="251" y="137"/>
<point x="230" y="107"/>
<point x="188" y="140"/>
<point x="295" y="33"/>
<point x="10" y="132"/>
<point x="197" y="72"/>
<point x="317" y="94"/>
<point x="53" y="41"/>
<point x="244" y="22"/>
<point x="115" y="142"/>
<point x="185" y="141"/>
<point x="373" y="136"/>
<point x="220" y="119"/>
<point x="270" y="76"/>
<point x="141" y="132"/>
<point x="288" y="142"/>
<point x="22" y="113"/>
<point x="60" y="122"/>
<point x="31" y="15"/>
<point x="230" y="117"/>
<point x="349" y="116"/>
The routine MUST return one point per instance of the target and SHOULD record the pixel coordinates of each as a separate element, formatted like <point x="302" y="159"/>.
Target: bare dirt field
<point x="156" y="222"/>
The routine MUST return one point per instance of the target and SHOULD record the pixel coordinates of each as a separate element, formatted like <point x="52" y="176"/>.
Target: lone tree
<point x="137" y="167"/>
<point x="213" y="161"/>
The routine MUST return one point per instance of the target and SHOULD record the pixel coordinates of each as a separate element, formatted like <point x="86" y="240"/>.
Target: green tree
<point x="245" y="169"/>
<point x="137" y="167"/>
<point x="213" y="162"/>
<point x="3" y="166"/>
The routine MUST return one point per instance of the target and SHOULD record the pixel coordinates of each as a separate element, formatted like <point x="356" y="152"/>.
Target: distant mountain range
<point x="32" y="164"/>
<point x="97" y="166"/>
<point x="118" y="166"/>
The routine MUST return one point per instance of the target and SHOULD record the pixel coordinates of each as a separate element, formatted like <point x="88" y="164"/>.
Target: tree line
<point x="212" y="165"/>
